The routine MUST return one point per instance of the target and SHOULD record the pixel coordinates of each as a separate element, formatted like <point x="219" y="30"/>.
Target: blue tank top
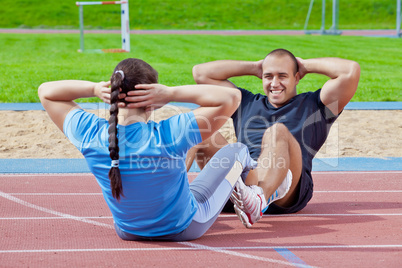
<point x="157" y="200"/>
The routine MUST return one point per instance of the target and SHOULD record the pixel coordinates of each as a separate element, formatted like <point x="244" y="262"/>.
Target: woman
<point x="140" y="164"/>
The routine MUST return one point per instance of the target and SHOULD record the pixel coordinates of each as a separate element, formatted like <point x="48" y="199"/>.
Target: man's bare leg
<point x="280" y="152"/>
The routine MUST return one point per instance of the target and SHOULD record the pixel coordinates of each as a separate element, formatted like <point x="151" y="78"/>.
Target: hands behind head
<point x="258" y="68"/>
<point x="148" y="96"/>
<point x="302" y="68"/>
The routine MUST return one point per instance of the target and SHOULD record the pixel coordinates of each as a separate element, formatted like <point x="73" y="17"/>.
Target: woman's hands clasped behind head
<point x="148" y="96"/>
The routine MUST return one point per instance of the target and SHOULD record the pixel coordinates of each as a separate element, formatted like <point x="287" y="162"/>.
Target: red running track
<point x="55" y="220"/>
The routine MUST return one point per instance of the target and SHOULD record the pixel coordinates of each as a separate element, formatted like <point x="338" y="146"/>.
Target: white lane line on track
<point x="61" y="194"/>
<point x="99" y="194"/>
<point x="50" y="211"/>
<point x="54" y="218"/>
<point x="243" y="255"/>
<point x="220" y="216"/>
<point x="322" y="215"/>
<point x="202" y="247"/>
<point x="41" y="175"/>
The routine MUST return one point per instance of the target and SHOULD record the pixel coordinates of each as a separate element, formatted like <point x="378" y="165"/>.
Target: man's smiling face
<point x="279" y="79"/>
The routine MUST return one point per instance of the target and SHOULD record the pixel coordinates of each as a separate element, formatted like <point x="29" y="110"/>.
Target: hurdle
<point x="125" y="29"/>
<point x="335" y="15"/>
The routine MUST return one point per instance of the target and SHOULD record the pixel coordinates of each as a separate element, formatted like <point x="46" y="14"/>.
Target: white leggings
<point x="212" y="189"/>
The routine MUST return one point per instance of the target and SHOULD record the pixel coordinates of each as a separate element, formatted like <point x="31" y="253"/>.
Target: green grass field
<point x="199" y="14"/>
<point x="27" y="60"/>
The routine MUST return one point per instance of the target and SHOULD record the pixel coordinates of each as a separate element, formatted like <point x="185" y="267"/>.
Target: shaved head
<point x="280" y="52"/>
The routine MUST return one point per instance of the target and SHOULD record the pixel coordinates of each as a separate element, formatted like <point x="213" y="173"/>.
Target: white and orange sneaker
<point x="249" y="201"/>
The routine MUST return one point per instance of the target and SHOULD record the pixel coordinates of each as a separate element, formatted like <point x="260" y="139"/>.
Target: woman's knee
<point x="234" y="148"/>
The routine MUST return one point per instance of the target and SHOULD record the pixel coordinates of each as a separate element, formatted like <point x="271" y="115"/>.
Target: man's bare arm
<point x="219" y="72"/>
<point x="344" y="74"/>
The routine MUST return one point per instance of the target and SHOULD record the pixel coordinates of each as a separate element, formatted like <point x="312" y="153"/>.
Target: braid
<point x="114" y="172"/>
<point x="126" y="75"/>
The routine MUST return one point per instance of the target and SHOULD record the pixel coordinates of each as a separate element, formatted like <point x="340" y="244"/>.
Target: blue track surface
<point x="13" y="166"/>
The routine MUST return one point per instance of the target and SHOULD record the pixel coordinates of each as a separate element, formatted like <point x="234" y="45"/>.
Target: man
<point x="283" y="130"/>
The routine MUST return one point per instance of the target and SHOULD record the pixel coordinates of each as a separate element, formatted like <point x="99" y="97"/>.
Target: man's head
<point x="280" y="76"/>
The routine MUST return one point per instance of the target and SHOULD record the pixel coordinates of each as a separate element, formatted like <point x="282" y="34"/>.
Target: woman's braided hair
<point x="126" y="75"/>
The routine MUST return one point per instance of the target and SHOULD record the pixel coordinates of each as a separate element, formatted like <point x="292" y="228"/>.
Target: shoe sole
<point x="243" y="217"/>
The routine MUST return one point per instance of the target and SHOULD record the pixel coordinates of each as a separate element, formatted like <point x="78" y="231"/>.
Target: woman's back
<point x="156" y="196"/>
